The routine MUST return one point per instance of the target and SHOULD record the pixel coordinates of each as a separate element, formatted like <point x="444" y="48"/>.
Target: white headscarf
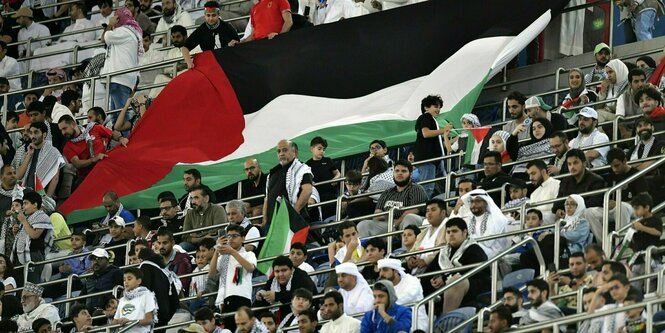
<point x="577" y="215"/>
<point x="392" y="264"/>
<point x="621" y="75"/>
<point x="496" y="223"/>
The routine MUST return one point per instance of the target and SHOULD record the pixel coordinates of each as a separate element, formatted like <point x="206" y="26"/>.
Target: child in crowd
<point x="198" y="283"/>
<point x="142" y="228"/>
<point x="323" y="168"/>
<point x="649" y="229"/>
<point x="116" y="237"/>
<point x="409" y="235"/>
<point x="207" y="248"/>
<point x="298" y="256"/>
<point x="206" y="318"/>
<point x="6" y="234"/>
<point x="352" y="182"/>
<point x="137" y="303"/>
<point x="518" y="196"/>
<point x="78" y="265"/>
<point x="534" y="218"/>
<point x="635" y="323"/>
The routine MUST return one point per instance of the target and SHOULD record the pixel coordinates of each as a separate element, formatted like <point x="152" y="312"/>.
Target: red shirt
<point x="80" y="149"/>
<point x="267" y="17"/>
<point x="657" y="112"/>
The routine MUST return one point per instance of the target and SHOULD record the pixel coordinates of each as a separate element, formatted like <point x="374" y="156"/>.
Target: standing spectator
<point x="123" y="39"/>
<point x="387" y="315"/>
<point x="542" y="309"/>
<point x="323" y="169"/>
<point x="515" y="104"/>
<point x="213" y="34"/>
<point x="459" y="143"/>
<point x="269" y="18"/>
<point x="203" y="214"/>
<point x="428" y="140"/>
<point x="589" y="135"/>
<point x="34" y="237"/>
<point x="137" y="303"/>
<point x="235" y="266"/>
<point x="30" y="30"/>
<point x="254" y="185"/>
<point x="602" y="52"/>
<point x="643" y="16"/>
<point x="36" y="110"/>
<point x="157" y="279"/>
<point x="333" y="309"/>
<point x="41" y="161"/>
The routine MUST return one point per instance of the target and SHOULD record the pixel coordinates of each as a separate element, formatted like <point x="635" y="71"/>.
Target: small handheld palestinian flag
<point x="39" y="187"/>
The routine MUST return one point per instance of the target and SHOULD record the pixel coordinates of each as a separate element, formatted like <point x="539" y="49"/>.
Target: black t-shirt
<point x="210" y="39"/>
<point x="642" y="240"/>
<point x="323" y="169"/>
<point x="277" y="187"/>
<point x="426" y="148"/>
<point x="634" y="188"/>
<point x="250" y="189"/>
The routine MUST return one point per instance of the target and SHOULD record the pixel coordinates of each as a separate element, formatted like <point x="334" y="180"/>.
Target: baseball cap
<point x="119" y="221"/>
<point x="516" y="183"/>
<point x="99" y="253"/>
<point x="588" y="112"/>
<point x="23" y="12"/>
<point x="534" y="101"/>
<point x="600" y="46"/>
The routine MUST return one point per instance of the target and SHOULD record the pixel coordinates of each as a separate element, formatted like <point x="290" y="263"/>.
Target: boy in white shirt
<point x="198" y="283"/>
<point x="137" y="303"/>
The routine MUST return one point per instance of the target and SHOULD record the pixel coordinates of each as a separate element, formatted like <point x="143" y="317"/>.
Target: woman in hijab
<point x="538" y="145"/>
<point x="576" y="230"/>
<point x="458" y="143"/>
<point x="498" y="142"/>
<point x="613" y="87"/>
<point x="577" y="95"/>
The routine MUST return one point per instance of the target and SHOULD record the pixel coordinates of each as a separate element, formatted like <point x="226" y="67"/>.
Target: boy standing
<point x="323" y="168"/>
<point x="137" y="303"/>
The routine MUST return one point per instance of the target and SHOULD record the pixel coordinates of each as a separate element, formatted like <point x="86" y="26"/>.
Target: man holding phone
<point x="203" y="214"/>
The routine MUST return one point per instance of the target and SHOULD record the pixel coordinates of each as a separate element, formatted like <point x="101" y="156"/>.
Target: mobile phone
<point x="551" y="267"/>
<point x="221" y="232"/>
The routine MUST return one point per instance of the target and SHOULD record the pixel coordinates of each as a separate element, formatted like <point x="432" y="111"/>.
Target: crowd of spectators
<point x="195" y="258"/>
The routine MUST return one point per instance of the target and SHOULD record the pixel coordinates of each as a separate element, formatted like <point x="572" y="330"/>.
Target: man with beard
<point x="254" y="185"/>
<point x="203" y="214"/>
<point x="143" y="20"/>
<point x="190" y="178"/>
<point x="495" y="178"/>
<point x="333" y="309"/>
<point x="595" y="257"/>
<point x="30" y="30"/>
<point x="176" y="262"/>
<point x="104" y="277"/>
<point x="578" y="278"/>
<point x="37" y="113"/>
<point x="589" y="135"/>
<point x="512" y="299"/>
<point x="407" y="287"/>
<point x="602" y="53"/>
<point x="651" y="104"/>
<point x="213" y="34"/>
<point x="9" y="191"/>
<point x="173" y="14"/>
<point x="558" y="146"/>
<point x="178" y="37"/>
<point x="646" y="144"/>
<point x="487" y="220"/>
<point x="542" y="309"/>
<point x="290" y="179"/>
<point x="354" y="288"/>
<point x="41" y="162"/>
<point x="34" y="307"/>
<point x="515" y="104"/>
<point x="626" y="105"/>
<point x="171" y="220"/>
<point x="150" y="11"/>
<point x="404" y="194"/>
<point x="546" y="187"/>
<point x="620" y="170"/>
<point x="80" y="140"/>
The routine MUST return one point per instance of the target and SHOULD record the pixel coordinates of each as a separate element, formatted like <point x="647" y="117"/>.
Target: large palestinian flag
<point x="351" y="81"/>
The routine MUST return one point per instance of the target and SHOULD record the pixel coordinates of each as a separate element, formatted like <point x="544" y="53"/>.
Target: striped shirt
<point x="413" y="194"/>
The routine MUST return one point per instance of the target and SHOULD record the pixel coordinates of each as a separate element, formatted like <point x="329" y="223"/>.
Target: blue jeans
<point x="118" y="97"/>
<point x="427" y="171"/>
<point x="644" y="24"/>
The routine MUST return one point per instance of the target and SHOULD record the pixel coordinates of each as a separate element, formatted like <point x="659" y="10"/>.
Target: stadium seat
<point x="454" y="318"/>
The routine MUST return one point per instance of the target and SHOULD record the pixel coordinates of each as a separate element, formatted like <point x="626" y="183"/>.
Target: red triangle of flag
<point x="479" y="133"/>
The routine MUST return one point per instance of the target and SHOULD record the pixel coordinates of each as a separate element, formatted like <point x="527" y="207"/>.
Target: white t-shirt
<point x="136" y="309"/>
<point x="9" y="282"/>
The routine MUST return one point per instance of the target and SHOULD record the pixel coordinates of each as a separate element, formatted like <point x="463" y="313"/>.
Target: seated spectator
<point x="332" y="309"/>
<point x="6" y="272"/>
<point x="536" y="108"/>
<point x="5" y="88"/>
<point x="589" y="135"/>
<point x="537" y="146"/>
<point x="36" y="110"/>
<point x="380" y="178"/>
<point x="34" y="307"/>
<point x="647" y="231"/>
<point x="352" y="250"/>
<point x="613" y="87"/>
<point x="404" y="194"/>
<point x="580" y="180"/>
<point x="534" y="219"/>
<point x="81" y="318"/>
<point x="78" y="265"/>
<point x="281" y="286"/>
<point x="651" y="104"/>
<point x="645" y="63"/>
<point x="174" y="261"/>
<point x="542" y="309"/>
<point x="268" y="320"/>
<point x="626" y="105"/>
<point x="143" y="229"/>
<point x="494" y="175"/>
<point x="512" y="299"/>
<point x="546" y="188"/>
<point x="594" y="324"/>
<point x="409" y="236"/>
<point x="207" y="248"/>
<point x="269" y="21"/>
<point x="246" y="322"/>
<point x="498" y="142"/>
<point x="54" y="76"/>
<point x="578" y="278"/>
<point x="379" y="149"/>
<point x="9" y="67"/>
<point x="618" y="287"/>
<point x="576" y="229"/>
<point x="323" y="169"/>
<point x="34" y="237"/>
<point x="387" y="315"/>
<point x="433" y="236"/>
<point x="203" y="214"/>
<point x="375" y="250"/>
<point x="298" y="255"/>
<point x="352" y="183"/>
<point x="308" y="321"/>
<point x="300" y="302"/>
<point x="487" y="220"/>
<point x="236" y="213"/>
<point x="500" y="319"/>
<point x="47" y="161"/>
<point x="171" y="219"/>
<point x="172" y="14"/>
<point x="646" y="144"/>
<point x="635" y="321"/>
<point x="354" y="289"/>
<point x="114" y="208"/>
<point x="595" y="257"/>
<point x="206" y="318"/>
<point x="7" y="235"/>
<point x="178" y="37"/>
<point x="460" y="250"/>
<point x="10" y="326"/>
<point x="78" y="12"/>
<point x="517" y="190"/>
<point x="407" y="287"/>
<point x="515" y="105"/>
<point x="602" y="53"/>
<point x="104" y="277"/>
<point x="137" y="302"/>
<point x="30" y="30"/>
<point x="559" y="146"/>
<point x="459" y="143"/>
<point x="233" y="265"/>
<point x="198" y="283"/>
<point x="40" y="325"/>
<point x="610" y="268"/>
<point x="577" y="95"/>
<point x="464" y="186"/>
<point x="253" y="185"/>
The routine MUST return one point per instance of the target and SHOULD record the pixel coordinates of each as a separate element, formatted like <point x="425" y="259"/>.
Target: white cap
<point x="100" y="253"/>
<point x="588" y="112"/>
<point x="531" y="102"/>
<point x="119" y="221"/>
